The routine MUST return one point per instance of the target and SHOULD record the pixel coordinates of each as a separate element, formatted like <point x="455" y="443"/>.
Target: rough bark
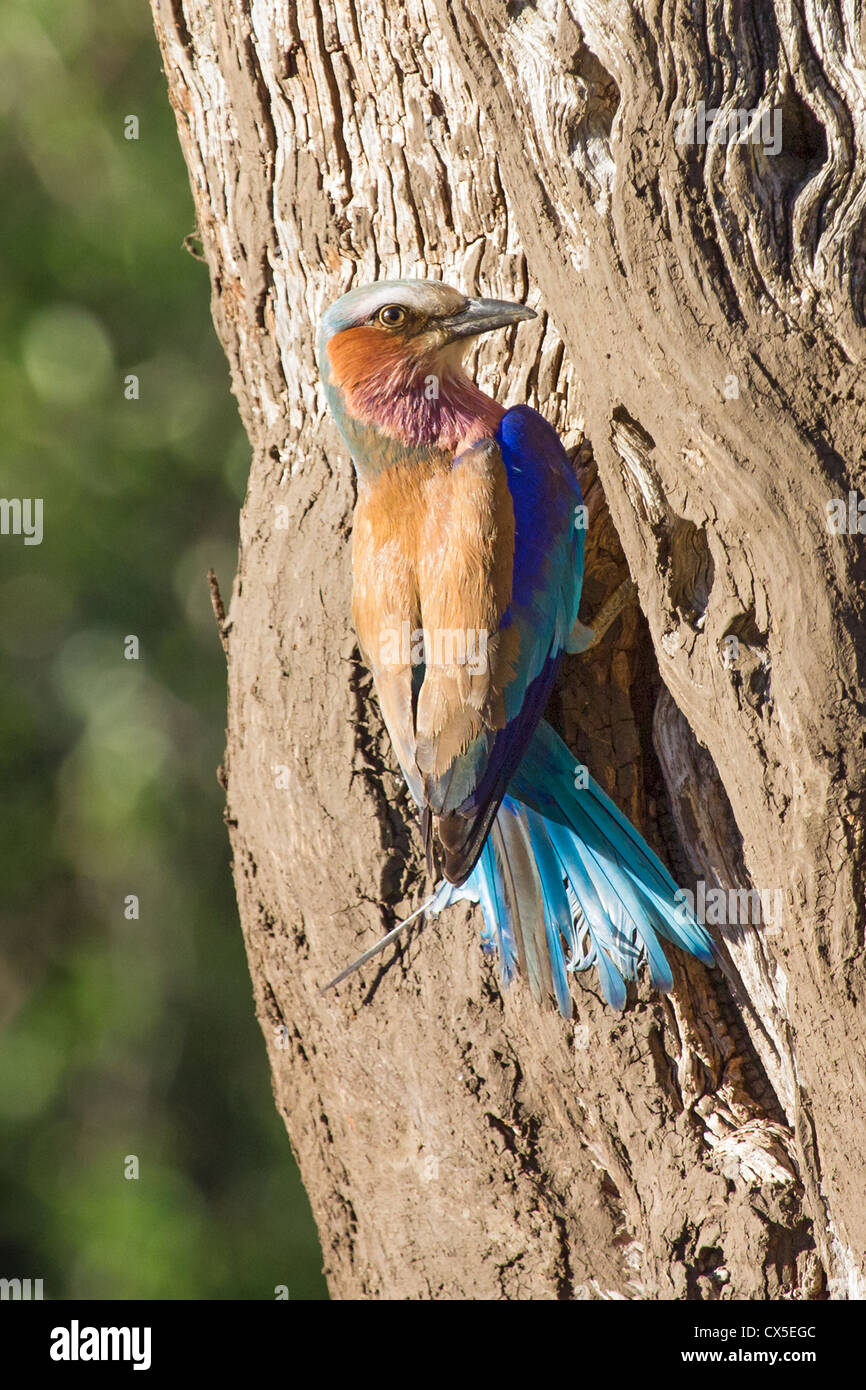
<point x="701" y="317"/>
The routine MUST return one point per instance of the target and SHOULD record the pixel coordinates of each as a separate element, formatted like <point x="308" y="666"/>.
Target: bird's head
<point x="390" y="358"/>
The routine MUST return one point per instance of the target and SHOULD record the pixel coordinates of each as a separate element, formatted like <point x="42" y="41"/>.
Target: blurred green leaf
<point x="123" y="1035"/>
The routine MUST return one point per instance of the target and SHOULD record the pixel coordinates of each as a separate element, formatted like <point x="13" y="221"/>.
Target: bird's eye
<point x="392" y="316"/>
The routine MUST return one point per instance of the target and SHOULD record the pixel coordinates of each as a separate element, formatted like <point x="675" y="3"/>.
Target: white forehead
<point x="425" y="296"/>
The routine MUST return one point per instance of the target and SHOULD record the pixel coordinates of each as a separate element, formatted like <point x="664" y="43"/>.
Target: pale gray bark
<point x="701" y="316"/>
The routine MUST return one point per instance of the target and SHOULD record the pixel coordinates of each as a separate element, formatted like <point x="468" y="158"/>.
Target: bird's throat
<point x="441" y="410"/>
<point x="428" y="403"/>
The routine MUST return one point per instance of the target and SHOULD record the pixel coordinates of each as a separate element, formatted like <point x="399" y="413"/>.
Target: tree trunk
<point x="701" y="318"/>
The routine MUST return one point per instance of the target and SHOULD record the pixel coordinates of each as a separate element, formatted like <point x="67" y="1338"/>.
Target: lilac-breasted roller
<point x="468" y="562"/>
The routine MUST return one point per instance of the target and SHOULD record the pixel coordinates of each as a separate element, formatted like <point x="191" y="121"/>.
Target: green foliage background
<point x="120" y="1037"/>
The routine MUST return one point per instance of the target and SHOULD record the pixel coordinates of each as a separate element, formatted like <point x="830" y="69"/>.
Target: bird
<point x="468" y="555"/>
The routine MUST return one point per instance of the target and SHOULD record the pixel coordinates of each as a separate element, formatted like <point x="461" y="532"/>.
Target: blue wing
<point x="545" y="596"/>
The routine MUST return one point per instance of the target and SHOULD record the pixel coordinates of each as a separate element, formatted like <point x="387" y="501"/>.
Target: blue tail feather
<point x="497" y="934"/>
<point x="557" y="909"/>
<point x="570" y="883"/>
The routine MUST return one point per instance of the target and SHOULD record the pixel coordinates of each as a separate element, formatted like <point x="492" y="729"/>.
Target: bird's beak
<point x="481" y="316"/>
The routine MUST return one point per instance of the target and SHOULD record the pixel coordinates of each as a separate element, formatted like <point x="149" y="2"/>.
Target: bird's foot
<point x="583" y="639"/>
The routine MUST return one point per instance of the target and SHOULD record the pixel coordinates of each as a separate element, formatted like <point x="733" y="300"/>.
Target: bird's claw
<point x="583" y="639"/>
